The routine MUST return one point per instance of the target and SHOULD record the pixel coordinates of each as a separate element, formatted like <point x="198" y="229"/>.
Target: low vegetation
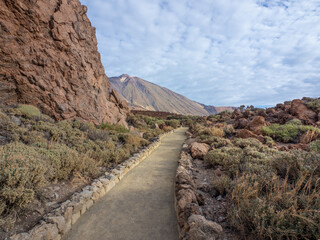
<point x="288" y="132"/>
<point x="35" y="151"/>
<point x="272" y="194"/>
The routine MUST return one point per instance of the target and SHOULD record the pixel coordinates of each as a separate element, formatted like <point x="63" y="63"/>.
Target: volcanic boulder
<point x="302" y="112"/>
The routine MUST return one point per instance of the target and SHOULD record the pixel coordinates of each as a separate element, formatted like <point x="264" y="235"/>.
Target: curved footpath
<point x="141" y="205"/>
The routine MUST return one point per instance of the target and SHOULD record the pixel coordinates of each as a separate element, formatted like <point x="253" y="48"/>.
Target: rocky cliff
<point x="49" y="58"/>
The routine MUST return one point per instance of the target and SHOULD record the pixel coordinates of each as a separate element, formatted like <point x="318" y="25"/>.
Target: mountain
<point x="143" y="95"/>
<point x="49" y="58"/>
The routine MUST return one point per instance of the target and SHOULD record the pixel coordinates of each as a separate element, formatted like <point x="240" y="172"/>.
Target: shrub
<point x="22" y="172"/>
<point x="98" y="134"/>
<point x="172" y="123"/>
<point x="28" y="111"/>
<point x="314" y="105"/>
<point x="218" y="142"/>
<point x="222" y="184"/>
<point x="315" y="146"/>
<point x="271" y="208"/>
<point x="247" y="142"/>
<point x="295" y="121"/>
<point x="228" y="130"/>
<point x="227" y="157"/>
<point x="115" y="127"/>
<point x="287" y="132"/>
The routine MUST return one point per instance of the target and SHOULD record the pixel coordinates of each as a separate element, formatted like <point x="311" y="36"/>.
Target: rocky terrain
<point x="143" y="95"/>
<point x="49" y="58"/>
<point x="252" y="174"/>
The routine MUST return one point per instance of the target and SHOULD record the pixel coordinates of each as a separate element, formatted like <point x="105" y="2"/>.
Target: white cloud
<point x="222" y="52"/>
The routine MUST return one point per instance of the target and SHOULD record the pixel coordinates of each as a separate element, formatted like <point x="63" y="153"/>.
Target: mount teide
<point x="143" y="95"/>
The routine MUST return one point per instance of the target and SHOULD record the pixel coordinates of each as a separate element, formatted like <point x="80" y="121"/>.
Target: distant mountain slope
<point x="144" y="95"/>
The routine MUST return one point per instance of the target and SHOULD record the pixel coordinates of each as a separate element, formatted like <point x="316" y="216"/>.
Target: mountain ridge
<point x="144" y="95"/>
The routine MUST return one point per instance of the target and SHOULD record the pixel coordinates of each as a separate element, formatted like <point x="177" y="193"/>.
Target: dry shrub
<point x="217" y="132"/>
<point x="222" y="184"/>
<point x="309" y="136"/>
<point x="167" y="128"/>
<point x="272" y="208"/>
<point x="22" y="172"/>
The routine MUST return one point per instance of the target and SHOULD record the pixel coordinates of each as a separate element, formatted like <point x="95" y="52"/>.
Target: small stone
<point x="75" y="217"/>
<point x="59" y="221"/>
<point x="219" y="198"/>
<point x="21" y="236"/>
<point x="89" y="204"/>
<point x="45" y="231"/>
<point x="16" y="120"/>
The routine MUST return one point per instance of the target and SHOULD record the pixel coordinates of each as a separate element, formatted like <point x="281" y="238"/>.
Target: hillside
<point x="144" y="95"/>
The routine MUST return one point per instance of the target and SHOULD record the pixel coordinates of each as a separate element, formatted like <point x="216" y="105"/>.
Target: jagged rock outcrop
<point x="49" y="58"/>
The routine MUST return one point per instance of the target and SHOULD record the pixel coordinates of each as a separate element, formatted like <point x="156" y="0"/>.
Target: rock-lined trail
<point x="141" y="205"/>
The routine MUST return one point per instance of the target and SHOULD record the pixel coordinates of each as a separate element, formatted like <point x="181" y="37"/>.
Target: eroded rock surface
<point x="49" y="58"/>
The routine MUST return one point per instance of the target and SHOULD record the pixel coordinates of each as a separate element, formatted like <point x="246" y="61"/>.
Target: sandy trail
<point x="141" y="205"/>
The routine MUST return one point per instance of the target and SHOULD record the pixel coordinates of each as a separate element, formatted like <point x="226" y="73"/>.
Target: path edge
<point x="58" y="222"/>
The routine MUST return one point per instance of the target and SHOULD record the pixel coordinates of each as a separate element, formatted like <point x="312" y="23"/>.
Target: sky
<point x="216" y="52"/>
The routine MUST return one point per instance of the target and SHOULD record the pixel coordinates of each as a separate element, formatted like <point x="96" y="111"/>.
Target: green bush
<point x="173" y="123"/>
<point x="115" y="127"/>
<point x="29" y="111"/>
<point x="314" y="105"/>
<point x="288" y="132"/>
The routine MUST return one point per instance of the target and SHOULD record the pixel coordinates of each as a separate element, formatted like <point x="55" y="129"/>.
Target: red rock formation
<point x="300" y="110"/>
<point x="256" y="124"/>
<point x="49" y="58"/>
<point x="245" y="133"/>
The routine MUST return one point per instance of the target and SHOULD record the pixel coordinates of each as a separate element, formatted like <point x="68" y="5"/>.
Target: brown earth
<point x="49" y="58"/>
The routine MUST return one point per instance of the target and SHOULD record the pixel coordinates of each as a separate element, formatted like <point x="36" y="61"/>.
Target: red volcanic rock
<point x="300" y="110"/>
<point x="49" y="58"/>
<point x="241" y="123"/>
<point x="284" y="117"/>
<point x="245" y="133"/>
<point x="199" y="150"/>
<point x="270" y="111"/>
<point x="256" y="124"/>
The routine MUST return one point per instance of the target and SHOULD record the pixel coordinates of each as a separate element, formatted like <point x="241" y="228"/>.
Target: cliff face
<point x="49" y="58"/>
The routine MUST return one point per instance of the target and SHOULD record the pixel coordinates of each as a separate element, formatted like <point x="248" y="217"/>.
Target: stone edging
<point x="191" y="223"/>
<point x="59" y="221"/>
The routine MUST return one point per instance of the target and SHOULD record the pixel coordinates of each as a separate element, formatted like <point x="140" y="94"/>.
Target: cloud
<point x="222" y="52"/>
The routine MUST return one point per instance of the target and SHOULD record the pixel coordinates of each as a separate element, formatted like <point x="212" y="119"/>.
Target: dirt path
<point x="141" y="205"/>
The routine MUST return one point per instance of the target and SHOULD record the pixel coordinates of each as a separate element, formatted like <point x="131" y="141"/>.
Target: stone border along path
<point x="141" y="206"/>
<point x="144" y="200"/>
